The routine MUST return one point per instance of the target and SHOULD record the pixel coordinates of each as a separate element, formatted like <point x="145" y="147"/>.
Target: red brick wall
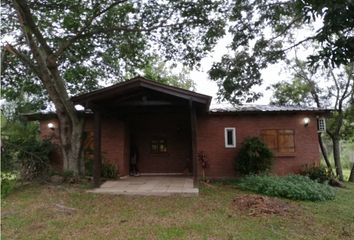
<point x="175" y="128"/>
<point x="56" y="160"/>
<point x="113" y="144"/>
<point x="115" y="141"/>
<point x="221" y="160"/>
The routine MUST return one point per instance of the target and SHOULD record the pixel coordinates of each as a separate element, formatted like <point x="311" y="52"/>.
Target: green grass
<point x="30" y="213"/>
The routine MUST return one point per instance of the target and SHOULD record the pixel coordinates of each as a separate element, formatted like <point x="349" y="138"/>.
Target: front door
<point x="163" y="142"/>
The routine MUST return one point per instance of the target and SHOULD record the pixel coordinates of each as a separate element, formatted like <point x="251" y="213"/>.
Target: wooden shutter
<point x="88" y="145"/>
<point x="286" y="143"/>
<point x="88" y="140"/>
<point x="269" y="137"/>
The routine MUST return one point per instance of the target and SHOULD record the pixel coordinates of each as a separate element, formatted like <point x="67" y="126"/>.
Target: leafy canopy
<point x="266" y="31"/>
<point x="103" y="41"/>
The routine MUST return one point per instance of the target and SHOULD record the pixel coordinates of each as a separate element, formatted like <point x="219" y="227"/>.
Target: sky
<point x="272" y="74"/>
<point x="206" y="86"/>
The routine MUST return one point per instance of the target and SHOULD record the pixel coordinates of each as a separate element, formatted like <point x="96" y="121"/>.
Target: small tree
<point x="254" y="157"/>
<point x="307" y="88"/>
<point x="160" y="71"/>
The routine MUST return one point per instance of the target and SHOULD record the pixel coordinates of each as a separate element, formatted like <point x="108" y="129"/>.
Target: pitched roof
<point x="141" y="82"/>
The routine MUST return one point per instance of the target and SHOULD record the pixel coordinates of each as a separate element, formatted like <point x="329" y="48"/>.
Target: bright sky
<point x="206" y="86"/>
<point x="271" y="75"/>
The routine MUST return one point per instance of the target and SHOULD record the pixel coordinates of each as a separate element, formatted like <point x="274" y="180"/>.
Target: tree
<point x="308" y="87"/>
<point x="264" y="33"/>
<point x="70" y="45"/>
<point x="159" y="71"/>
<point x="349" y="129"/>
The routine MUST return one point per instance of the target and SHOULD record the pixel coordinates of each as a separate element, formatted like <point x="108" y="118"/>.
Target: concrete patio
<point x="149" y="186"/>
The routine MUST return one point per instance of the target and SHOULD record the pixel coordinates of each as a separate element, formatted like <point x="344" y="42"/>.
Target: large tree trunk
<point x="45" y="65"/>
<point x="70" y="124"/>
<point x="336" y="156"/>
<point x="324" y="151"/>
<point x="351" y="177"/>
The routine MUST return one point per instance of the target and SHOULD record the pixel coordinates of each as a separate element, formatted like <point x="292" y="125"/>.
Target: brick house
<point x="172" y="127"/>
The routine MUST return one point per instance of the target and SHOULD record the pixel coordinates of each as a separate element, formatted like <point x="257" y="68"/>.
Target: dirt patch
<point x="256" y="205"/>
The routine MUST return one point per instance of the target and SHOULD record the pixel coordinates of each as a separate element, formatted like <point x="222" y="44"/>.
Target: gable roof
<point x="141" y="82"/>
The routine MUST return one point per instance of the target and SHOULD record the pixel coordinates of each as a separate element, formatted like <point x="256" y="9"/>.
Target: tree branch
<point x="26" y="14"/>
<point x="298" y="43"/>
<point x="67" y="43"/>
<point x="285" y="29"/>
<point x="24" y="59"/>
<point x="346" y="93"/>
<point x="337" y="88"/>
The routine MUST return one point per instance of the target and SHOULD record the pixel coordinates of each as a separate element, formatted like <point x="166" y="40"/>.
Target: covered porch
<point x="160" y="121"/>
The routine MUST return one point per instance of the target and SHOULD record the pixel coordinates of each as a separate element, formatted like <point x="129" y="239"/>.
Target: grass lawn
<point x="31" y="213"/>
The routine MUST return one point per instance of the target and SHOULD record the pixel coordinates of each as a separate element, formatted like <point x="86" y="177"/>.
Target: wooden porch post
<point x="193" y="117"/>
<point x="97" y="150"/>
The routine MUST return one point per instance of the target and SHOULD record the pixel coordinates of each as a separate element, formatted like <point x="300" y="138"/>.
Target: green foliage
<point x="264" y="33"/>
<point x="296" y="92"/>
<point x="33" y="156"/>
<point x="254" y="157"/>
<point x="318" y="173"/>
<point x="161" y="72"/>
<point x="23" y="151"/>
<point x="292" y="186"/>
<point x="348" y="121"/>
<point x="8" y="182"/>
<point x="105" y="40"/>
<point x="109" y="171"/>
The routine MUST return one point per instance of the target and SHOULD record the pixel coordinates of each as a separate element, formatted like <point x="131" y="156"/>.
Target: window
<point x="158" y="146"/>
<point x="321" y="125"/>
<point x="279" y="140"/>
<point x="230" y="137"/>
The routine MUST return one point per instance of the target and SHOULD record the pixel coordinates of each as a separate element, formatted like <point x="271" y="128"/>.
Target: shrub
<point x="34" y="159"/>
<point x="254" y="157"/>
<point x="8" y="181"/>
<point x="295" y="187"/>
<point x="318" y="173"/>
<point x="109" y="170"/>
<point x="23" y="151"/>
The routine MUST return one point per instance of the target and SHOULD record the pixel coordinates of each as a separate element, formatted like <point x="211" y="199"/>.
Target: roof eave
<point x="142" y="82"/>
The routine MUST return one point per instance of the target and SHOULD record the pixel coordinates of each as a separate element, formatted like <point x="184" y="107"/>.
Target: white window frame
<point x="233" y="137"/>
<point x="321" y="121"/>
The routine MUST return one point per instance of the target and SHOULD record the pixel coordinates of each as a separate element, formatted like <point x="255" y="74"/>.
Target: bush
<point x="295" y="187"/>
<point x="109" y="170"/>
<point x="23" y="151"/>
<point x="318" y="173"/>
<point x="254" y="157"/>
<point x="34" y="159"/>
<point x="8" y="181"/>
<point x="29" y="156"/>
